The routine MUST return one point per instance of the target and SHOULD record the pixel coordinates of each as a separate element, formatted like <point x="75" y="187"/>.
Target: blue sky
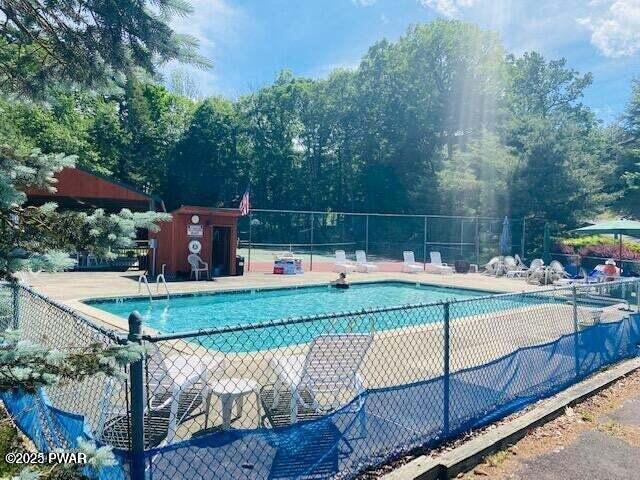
<point x="250" y="41"/>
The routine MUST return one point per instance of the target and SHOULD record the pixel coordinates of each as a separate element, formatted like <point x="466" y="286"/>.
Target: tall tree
<point x="88" y="42"/>
<point x="625" y="152"/>
<point x="207" y="165"/>
<point x="558" y="175"/>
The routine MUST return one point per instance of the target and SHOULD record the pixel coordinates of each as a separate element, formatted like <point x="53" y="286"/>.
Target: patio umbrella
<point x="546" y="245"/>
<point x="505" y="238"/>
<point x="615" y="227"/>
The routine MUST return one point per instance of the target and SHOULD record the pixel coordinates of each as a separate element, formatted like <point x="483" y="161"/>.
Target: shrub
<point x="601" y="246"/>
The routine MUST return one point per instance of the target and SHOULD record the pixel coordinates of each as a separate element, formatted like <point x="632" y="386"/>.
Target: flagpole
<point x="249" y="255"/>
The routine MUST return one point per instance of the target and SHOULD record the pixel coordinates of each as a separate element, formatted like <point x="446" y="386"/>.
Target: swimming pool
<point x="184" y="313"/>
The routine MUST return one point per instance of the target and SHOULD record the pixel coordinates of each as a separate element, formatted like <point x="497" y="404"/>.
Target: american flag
<point x="245" y="205"/>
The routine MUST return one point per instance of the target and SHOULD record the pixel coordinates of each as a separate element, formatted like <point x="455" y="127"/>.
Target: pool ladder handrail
<point x="161" y="279"/>
<point x="143" y="279"/>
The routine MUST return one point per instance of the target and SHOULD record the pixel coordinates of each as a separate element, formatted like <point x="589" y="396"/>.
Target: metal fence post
<point x="637" y="296"/>
<point x="424" y="245"/>
<point x="576" y="334"/>
<point x="522" y="240"/>
<point x="15" y="301"/>
<point x="477" y="240"/>
<point x="136" y="382"/>
<point x="249" y="253"/>
<point x="311" y="260"/>
<point x="446" y="386"/>
<point x="366" y="234"/>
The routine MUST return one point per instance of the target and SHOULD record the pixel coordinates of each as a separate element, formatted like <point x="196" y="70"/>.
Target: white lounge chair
<point x="409" y="265"/>
<point x="491" y="267"/>
<point x="536" y="271"/>
<point x="510" y="263"/>
<point x="328" y="373"/>
<point x="558" y="270"/>
<point x="198" y="265"/>
<point x="436" y="265"/>
<point x="520" y="271"/>
<point x="343" y="265"/>
<point x="361" y="263"/>
<point x="175" y="386"/>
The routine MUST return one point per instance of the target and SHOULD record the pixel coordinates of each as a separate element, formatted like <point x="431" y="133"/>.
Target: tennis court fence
<point x="314" y="236"/>
<point x="325" y="396"/>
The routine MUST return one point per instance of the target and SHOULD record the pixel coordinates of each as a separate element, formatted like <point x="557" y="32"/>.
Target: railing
<point x="330" y="395"/>
<point x="143" y="280"/>
<point x="160" y="279"/>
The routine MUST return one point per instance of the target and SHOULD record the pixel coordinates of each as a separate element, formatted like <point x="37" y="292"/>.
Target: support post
<point x="522" y="240"/>
<point x="249" y="253"/>
<point x="136" y="382"/>
<point x="366" y="235"/>
<point x="461" y="237"/>
<point x="477" y="241"/>
<point x="152" y="244"/>
<point x="446" y="386"/>
<point x="424" y="245"/>
<point x="637" y="296"/>
<point x="311" y="260"/>
<point x="574" y="295"/>
<point x="15" y="301"/>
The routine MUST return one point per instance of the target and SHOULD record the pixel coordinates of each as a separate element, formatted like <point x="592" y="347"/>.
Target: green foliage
<point x="27" y="366"/>
<point x="585" y="241"/>
<point x="206" y="165"/>
<point x="477" y="179"/>
<point x="108" y="231"/>
<point x="626" y="156"/>
<point x="45" y="43"/>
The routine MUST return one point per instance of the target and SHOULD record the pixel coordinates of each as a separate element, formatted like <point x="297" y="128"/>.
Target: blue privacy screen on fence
<point x="408" y="387"/>
<point x="394" y="420"/>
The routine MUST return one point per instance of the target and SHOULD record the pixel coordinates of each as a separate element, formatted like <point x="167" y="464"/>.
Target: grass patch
<point x="587" y="417"/>
<point x="498" y="458"/>
<point x="9" y="442"/>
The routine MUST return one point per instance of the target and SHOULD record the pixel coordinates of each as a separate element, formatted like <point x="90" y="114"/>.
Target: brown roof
<point x="195" y="210"/>
<point x="80" y="184"/>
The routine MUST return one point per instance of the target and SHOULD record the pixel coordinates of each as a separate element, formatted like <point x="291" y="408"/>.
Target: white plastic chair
<point x="436" y="265"/>
<point x="328" y="370"/>
<point x="343" y="265"/>
<point x="175" y="385"/>
<point x="197" y="265"/>
<point x="409" y="265"/>
<point x="361" y="263"/>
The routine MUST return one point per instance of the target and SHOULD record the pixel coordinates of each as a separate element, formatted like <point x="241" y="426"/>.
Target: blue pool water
<point x="219" y="310"/>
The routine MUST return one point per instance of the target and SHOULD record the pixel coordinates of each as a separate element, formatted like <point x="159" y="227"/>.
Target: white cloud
<point x="448" y="8"/>
<point x="364" y="3"/>
<point x="218" y="27"/>
<point x="616" y="32"/>
<point x="212" y="22"/>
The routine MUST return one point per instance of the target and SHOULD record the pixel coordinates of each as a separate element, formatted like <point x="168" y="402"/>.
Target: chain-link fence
<point x="57" y="416"/>
<point x="328" y="396"/>
<point x="315" y="236"/>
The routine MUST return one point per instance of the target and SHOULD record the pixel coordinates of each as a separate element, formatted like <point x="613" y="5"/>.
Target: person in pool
<point x="341" y="281"/>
